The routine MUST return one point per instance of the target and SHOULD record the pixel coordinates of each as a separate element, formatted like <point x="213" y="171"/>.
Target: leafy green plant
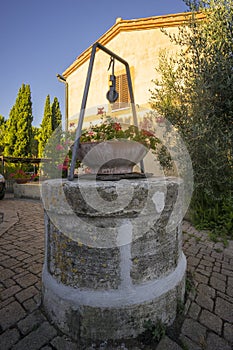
<point x="194" y="92"/>
<point x="180" y="307"/>
<point x="164" y="158"/>
<point x="216" y="216"/>
<point x="154" y="332"/>
<point x="159" y="331"/>
<point x="184" y="346"/>
<point x="35" y="177"/>
<point x="189" y="284"/>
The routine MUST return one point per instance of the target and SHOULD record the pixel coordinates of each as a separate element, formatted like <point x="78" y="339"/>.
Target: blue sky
<point x="40" y="38"/>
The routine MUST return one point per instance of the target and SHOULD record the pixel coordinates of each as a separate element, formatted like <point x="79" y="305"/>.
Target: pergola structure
<point x="34" y="161"/>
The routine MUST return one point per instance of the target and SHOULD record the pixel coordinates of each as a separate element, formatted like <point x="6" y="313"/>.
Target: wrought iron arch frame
<point x="96" y="46"/>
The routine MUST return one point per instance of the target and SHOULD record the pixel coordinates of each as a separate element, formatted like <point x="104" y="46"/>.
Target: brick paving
<point x="208" y="321"/>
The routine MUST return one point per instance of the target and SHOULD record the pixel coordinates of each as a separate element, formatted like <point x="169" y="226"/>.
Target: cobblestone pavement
<point x="208" y="321"/>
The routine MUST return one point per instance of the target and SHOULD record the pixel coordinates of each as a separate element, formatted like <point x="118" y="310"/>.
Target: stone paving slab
<point x="208" y="320"/>
<point x="10" y="217"/>
<point x="167" y="344"/>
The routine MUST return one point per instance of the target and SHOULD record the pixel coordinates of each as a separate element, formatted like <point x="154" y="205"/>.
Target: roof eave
<point x="172" y="20"/>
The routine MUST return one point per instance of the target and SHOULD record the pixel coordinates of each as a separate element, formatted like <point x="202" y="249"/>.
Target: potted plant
<point x="119" y="146"/>
<point x="20" y="176"/>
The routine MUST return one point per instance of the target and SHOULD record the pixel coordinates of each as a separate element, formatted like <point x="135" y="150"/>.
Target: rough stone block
<point x="30" y="322"/>
<point x="206" y="290"/>
<point x="211" y="321"/>
<point x="61" y="343"/>
<point x="7" y="293"/>
<point x="37" y="338"/>
<point x="218" y="284"/>
<point x="27" y="280"/>
<point x="224" y="309"/>
<point x="194" y="310"/>
<point x="11" y="314"/>
<point x="215" y="342"/>
<point x="78" y="265"/>
<point x="26" y="294"/>
<point x="194" y="330"/>
<point x="228" y="332"/>
<point x="167" y="344"/>
<point x="9" y="338"/>
<point x="205" y="301"/>
<point x="189" y="344"/>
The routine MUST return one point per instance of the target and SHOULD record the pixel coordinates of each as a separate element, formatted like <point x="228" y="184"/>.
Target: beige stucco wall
<point x="140" y="48"/>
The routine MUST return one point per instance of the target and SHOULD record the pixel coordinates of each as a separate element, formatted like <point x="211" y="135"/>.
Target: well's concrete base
<point x="119" y="314"/>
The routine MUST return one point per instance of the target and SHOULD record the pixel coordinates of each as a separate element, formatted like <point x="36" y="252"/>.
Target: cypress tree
<point x="56" y="114"/>
<point x="46" y="127"/>
<point x="35" y="134"/>
<point x="23" y="142"/>
<point x="10" y="132"/>
<point x="2" y="132"/>
<point x="18" y="137"/>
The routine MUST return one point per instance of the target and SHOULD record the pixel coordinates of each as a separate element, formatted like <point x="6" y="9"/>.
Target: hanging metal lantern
<point x="112" y="95"/>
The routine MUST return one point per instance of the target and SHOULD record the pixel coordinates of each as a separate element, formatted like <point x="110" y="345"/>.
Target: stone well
<point x="113" y="255"/>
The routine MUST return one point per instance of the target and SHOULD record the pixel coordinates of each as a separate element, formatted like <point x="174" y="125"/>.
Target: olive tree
<point x="195" y="93"/>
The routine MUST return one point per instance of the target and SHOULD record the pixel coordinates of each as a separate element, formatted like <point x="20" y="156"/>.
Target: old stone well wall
<point x="113" y="255"/>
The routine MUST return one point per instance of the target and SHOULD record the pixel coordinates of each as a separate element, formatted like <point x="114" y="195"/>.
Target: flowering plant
<point x="110" y="129"/>
<point x="35" y="177"/>
<point x="19" y="174"/>
<point x="64" y="166"/>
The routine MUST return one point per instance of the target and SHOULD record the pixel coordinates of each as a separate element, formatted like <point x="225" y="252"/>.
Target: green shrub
<point x="153" y="332"/>
<point x="214" y="215"/>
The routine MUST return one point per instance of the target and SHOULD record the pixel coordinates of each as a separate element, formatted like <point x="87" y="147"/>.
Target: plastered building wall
<point x="139" y="42"/>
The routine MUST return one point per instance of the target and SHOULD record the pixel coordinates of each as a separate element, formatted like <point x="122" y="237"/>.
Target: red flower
<point x="60" y="166"/>
<point x="100" y="110"/>
<point x="147" y="133"/>
<point x="160" y="120"/>
<point x="117" y="126"/>
<point x="59" y="148"/>
<point x="66" y="160"/>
